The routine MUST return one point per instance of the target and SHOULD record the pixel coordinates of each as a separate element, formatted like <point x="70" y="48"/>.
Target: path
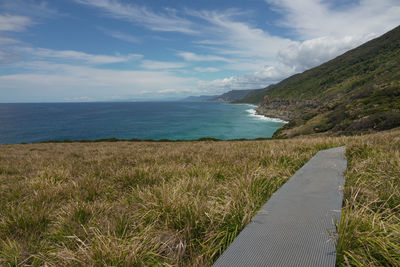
<point x="292" y="228"/>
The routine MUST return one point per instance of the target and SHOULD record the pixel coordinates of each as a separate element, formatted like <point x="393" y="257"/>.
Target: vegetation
<point x="254" y="97"/>
<point x="357" y="92"/>
<point x="180" y="203"/>
<point x="370" y="224"/>
<point x="232" y="95"/>
<point x="136" y="203"/>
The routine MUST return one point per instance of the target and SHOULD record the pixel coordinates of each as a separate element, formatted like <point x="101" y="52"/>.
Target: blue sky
<point x="102" y="50"/>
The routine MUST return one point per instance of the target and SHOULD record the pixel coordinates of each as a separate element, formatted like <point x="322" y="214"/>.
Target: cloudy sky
<point x="96" y="50"/>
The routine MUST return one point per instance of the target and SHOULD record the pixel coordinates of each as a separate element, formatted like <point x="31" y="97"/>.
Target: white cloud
<point x="122" y="36"/>
<point x="325" y="32"/>
<point x="14" y="23"/>
<point x="8" y="41"/>
<point x="232" y="37"/>
<point x="30" y="8"/>
<point x="81" y="57"/>
<point x="206" y="69"/>
<point x="301" y="56"/>
<point x="223" y="39"/>
<point x="254" y="80"/>
<point x="315" y="18"/>
<point x="7" y="54"/>
<point x="168" y="22"/>
<point x="189" y="56"/>
<point x="63" y="80"/>
<point x="328" y="32"/>
<point x="155" y="65"/>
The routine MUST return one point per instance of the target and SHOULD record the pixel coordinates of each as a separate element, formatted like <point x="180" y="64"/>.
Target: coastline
<point x="254" y="113"/>
<point x="247" y="124"/>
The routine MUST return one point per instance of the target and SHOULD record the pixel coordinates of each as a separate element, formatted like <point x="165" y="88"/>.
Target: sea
<point x="37" y="122"/>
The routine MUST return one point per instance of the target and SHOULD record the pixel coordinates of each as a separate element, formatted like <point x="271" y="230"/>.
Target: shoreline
<point x="137" y="140"/>
<point x="254" y="113"/>
<point x="249" y="113"/>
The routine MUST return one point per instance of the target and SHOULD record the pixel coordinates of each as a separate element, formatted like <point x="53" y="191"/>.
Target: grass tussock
<point x="370" y="224"/>
<point x="123" y="204"/>
<point x="181" y="203"/>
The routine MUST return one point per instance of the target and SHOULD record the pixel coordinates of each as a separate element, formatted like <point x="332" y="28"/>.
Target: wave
<point x="250" y="105"/>
<point x="252" y="113"/>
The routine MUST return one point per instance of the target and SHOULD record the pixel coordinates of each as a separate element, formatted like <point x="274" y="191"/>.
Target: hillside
<point x="232" y="95"/>
<point x="254" y="97"/>
<point x="356" y="92"/>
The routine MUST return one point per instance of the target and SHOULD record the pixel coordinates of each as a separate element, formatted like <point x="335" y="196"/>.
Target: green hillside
<point x="254" y="97"/>
<point x="232" y="95"/>
<point x="356" y="92"/>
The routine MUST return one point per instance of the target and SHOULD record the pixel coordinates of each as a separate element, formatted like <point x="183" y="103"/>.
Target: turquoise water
<point x="143" y="120"/>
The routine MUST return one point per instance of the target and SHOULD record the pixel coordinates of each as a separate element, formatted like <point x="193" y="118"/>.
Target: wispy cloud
<point x="161" y="65"/>
<point x="121" y="36"/>
<point x="167" y="21"/>
<point x="57" y="81"/>
<point x="8" y="41"/>
<point x="189" y="56"/>
<point x="324" y="32"/>
<point x="35" y="9"/>
<point x="313" y="19"/>
<point x="206" y="69"/>
<point x="14" y="23"/>
<point x="253" y="80"/>
<point x="215" y="41"/>
<point x="77" y="56"/>
<point x="231" y="36"/>
<point x="304" y="55"/>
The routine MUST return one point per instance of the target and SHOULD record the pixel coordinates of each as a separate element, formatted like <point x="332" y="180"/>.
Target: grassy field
<point x="180" y="204"/>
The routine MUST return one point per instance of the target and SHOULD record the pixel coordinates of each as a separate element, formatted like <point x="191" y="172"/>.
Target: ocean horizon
<point x="38" y="122"/>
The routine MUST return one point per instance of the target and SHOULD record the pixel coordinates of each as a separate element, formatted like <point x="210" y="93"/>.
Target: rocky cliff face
<point x="231" y="96"/>
<point x="286" y="109"/>
<point x="355" y="93"/>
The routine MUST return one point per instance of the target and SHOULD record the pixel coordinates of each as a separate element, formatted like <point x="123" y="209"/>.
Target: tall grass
<point x="179" y="204"/>
<point x="370" y="224"/>
<point x="124" y="204"/>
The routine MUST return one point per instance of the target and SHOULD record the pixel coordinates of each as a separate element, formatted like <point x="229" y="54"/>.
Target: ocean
<point x="143" y="120"/>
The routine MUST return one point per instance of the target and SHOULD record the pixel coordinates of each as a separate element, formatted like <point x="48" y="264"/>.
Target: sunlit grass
<point x="180" y="204"/>
<point x="370" y="224"/>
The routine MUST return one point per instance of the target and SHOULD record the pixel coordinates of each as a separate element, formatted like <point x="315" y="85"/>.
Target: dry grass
<point x="179" y="204"/>
<point x="370" y="225"/>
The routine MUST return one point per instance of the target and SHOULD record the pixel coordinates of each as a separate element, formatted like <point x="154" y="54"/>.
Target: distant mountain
<point x="254" y="96"/>
<point x="201" y="98"/>
<point x="232" y="95"/>
<point x="356" y="92"/>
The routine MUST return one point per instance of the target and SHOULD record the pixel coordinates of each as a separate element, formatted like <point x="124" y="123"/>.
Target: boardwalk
<point x="293" y="228"/>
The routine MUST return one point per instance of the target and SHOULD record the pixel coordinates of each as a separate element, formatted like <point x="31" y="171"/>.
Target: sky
<point x="116" y="50"/>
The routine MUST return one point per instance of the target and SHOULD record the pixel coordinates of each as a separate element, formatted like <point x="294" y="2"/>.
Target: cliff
<point x="231" y="96"/>
<point x="357" y="92"/>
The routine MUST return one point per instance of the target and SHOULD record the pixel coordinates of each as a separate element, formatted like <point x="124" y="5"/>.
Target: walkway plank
<point x="292" y="228"/>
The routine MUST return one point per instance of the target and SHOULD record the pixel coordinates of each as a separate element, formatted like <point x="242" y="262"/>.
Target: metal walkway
<point x="293" y="228"/>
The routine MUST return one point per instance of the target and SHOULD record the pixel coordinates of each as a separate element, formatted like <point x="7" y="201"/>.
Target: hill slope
<point x="232" y="95"/>
<point x="253" y="97"/>
<point x="356" y="92"/>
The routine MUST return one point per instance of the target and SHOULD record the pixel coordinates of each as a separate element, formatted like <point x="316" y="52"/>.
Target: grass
<point x="370" y="224"/>
<point x="180" y="203"/>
